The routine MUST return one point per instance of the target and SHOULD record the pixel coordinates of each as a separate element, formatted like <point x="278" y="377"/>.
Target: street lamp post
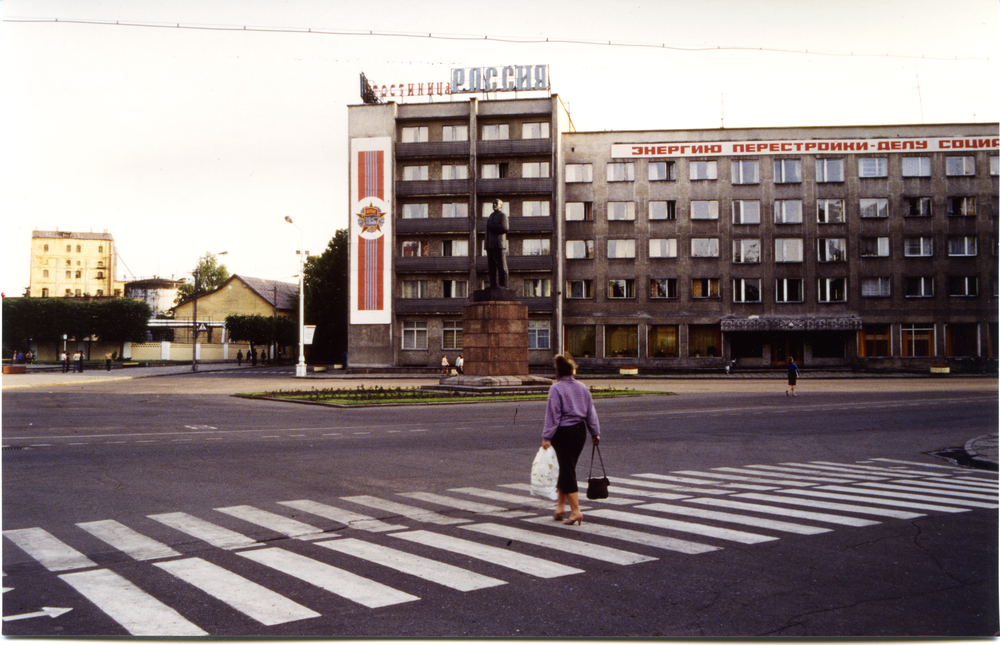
<point x="194" y="315"/>
<point x="300" y="368"/>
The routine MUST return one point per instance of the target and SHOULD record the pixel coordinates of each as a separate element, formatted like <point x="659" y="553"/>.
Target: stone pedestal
<point x="495" y="338"/>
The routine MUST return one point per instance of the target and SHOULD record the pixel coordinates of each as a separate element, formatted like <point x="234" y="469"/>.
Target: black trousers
<point x="568" y="442"/>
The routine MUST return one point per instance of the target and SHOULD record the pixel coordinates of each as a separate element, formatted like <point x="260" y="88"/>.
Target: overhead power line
<point x="483" y="38"/>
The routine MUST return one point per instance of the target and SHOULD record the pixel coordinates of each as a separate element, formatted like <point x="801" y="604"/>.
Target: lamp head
<point x="288" y="219"/>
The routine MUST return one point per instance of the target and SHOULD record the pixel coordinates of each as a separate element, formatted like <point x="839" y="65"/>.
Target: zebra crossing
<point x="460" y="539"/>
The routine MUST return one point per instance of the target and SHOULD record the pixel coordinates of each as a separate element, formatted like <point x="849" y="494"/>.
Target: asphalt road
<point x="89" y="466"/>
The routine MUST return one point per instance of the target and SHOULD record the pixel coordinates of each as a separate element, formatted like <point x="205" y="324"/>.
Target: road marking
<point x="750" y="471"/>
<point x="277" y="523"/>
<point x="414" y="565"/>
<point x="50" y="552"/>
<point x="132" y="543"/>
<point x="342" y="583"/>
<point x="684" y="527"/>
<point x="466" y="505"/>
<point x="885" y="470"/>
<point x="915" y="463"/>
<point x="788" y="512"/>
<point x="50" y="612"/>
<point x="615" y="481"/>
<point x="733" y="518"/>
<point x="872" y="500"/>
<point x="347" y="518"/>
<point x="774" y="483"/>
<point x="618" y="490"/>
<point x="214" y="534"/>
<point x="566" y="545"/>
<point x="500" y="496"/>
<point x="929" y="487"/>
<point x="404" y="510"/>
<point x="628" y="535"/>
<point x="613" y="500"/>
<point x="809" y="471"/>
<point x="257" y="602"/>
<point x="991" y="491"/>
<point x="869" y="490"/>
<point x="501" y="557"/>
<point x="854" y="474"/>
<point x="129" y="606"/>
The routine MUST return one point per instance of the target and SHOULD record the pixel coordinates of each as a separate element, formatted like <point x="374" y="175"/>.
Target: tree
<point x="261" y="330"/>
<point x="49" y="319"/>
<point x="209" y="275"/>
<point x="326" y="281"/>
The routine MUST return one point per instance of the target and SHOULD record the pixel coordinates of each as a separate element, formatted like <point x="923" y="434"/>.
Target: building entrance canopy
<point x="755" y="323"/>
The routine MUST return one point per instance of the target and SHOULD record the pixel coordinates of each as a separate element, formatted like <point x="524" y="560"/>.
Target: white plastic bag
<point x="545" y="474"/>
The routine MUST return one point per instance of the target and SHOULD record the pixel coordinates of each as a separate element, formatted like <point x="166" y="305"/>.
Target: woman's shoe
<point x="559" y="516"/>
<point x="570" y="521"/>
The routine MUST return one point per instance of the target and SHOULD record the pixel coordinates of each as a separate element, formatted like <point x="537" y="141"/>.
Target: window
<point x="704" y="209"/>
<point x="621" y="211"/>
<point x="581" y="340"/>
<point x="455" y="248"/>
<point x="621" y="288"/>
<point x="496" y="132"/>
<point x="46" y="248"/>
<point x="535" y="169"/>
<point x="916" y="166"/>
<point x="963" y="246"/>
<point x="413" y="288"/>
<point x="45" y="293"/>
<point x="746" y="290"/>
<point x="917" y="206"/>
<point x="451" y="334"/>
<point x="703" y="170"/>
<point x="79" y="248"/>
<point x="746" y="251"/>
<point x="831" y="249"/>
<point x="455" y="288"/>
<point x="537" y="288"/>
<point x="79" y="274"/>
<point x="455" y="133"/>
<point x="578" y="212"/>
<point x="663" y="248"/>
<point x="918" y="339"/>
<point x="662" y="171"/>
<point x="704" y="247"/>
<point x="704" y="340"/>
<point x="879" y="287"/>
<point x="994" y="167"/>
<point x="621" y="171"/>
<point x="873" y="167"/>
<point x="960" y="166"/>
<point x="538" y="332"/>
<point x="415" y="173"/>
<point x="919" y="287"/>
<point x="874" y="247"/>
<point x="963" y="286"/>
<point x="455" y="171"/>
<point x="663" y="210"/>
<point x="663" y="288"/>
<point x="873" y="340"/>
<point x="579" y="289"/>
<point x="455" y="209"/>
<point x="788" y="211"/>
<point x="829" y="170"/>
<point x="874" y="208"/>
<point x="579" y="172"/>
<point x="416" y="248"/>
<point x="962" y="206"/>
<point x="415" y="134"/>
<point x="535" y="131"/>
<point x="705" y="288"/>
<point x="495" y="170"/>
<point x="69" y="275"/>
<point x="618" y="249"/>
<point x="788" y="290"/>
<point x="787" y="171"/>
<point x="918" y="247"/>
<point x="414" y="211"/>
<point x="414" y="334"/>
<point x="536" y="246"/>
<point x="579" y="249"/>
<point x="832" y="290"/>
<point x="535" y="209"/>
<point x="662" y="341"/>
<point x="745" y="171"/>
<point x="621" y="341"/>
<point x="830" y="211"/>
<point x="746" y="211"/>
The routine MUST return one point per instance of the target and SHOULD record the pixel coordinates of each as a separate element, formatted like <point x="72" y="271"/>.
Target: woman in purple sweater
<point x="569" y="415"/>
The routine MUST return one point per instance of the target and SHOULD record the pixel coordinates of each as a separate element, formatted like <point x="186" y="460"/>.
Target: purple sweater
<point x="569" y="403"/>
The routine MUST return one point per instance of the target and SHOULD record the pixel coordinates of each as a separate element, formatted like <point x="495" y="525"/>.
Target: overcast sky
<point x="190" y="134"/>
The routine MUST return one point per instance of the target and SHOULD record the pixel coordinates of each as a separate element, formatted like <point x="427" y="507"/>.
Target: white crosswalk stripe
<point x="347" y="518"/>
<point x="943" y="492"/>
<point x="213" y="534"/>
<point x="127" y="541"/>
<point x="642" y="483"/>
<point x="774" y="483"/>
<point x="278" y="523"/>
<point x="613" y="500"/>
<point x="500" y="496"/>
<point x="750" y="470"/>
<point x="733" y="518"/>
<point x="868" y="490"/>
<point x="415" y="565"/>
<point x="404" y="510"/>
<point x="833" y="506"/>
<point x="810" y="472"/>
<point x="257" y="602"/>
<point x="684" y="527"/>
<point x="47" y="550"/>
<point x="873" y="500"/>
<point x="774" y="510"/>
<point x="577" y="547"/>
<point x="884" y="470"/>
<point x="628" y="535"/>
<point x="940" y="485"/>
<point x="465" y="505"/>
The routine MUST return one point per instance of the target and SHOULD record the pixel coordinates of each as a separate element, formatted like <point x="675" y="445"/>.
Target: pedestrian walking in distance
<point x="793" y="376"/>
<point x="569" y="416"/>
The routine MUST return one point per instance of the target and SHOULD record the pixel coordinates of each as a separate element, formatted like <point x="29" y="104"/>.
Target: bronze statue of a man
<point x="496" y="245"/>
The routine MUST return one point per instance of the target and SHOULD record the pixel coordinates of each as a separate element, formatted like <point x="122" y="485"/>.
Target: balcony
<point x="434" y="187"/>
<point x="444" y="306"/>
<point x="429" y="149"/>
<point x="521" y="264"/>
<point x="514" y="186"/>
<point x="514" y="147"/>
<point x="433" y="264"/>
<point x="433" y="225"/>
<point x="521" y="224"/>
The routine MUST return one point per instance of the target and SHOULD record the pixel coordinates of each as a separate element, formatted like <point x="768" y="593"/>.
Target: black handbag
<point x="597" y="487"/>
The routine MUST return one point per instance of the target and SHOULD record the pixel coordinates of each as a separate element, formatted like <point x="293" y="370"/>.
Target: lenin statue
<point x="496" y="245"/>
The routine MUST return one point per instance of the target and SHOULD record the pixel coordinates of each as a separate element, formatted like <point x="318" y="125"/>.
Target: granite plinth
<point x="495" y="293"/>
<point x="495" y="338"/>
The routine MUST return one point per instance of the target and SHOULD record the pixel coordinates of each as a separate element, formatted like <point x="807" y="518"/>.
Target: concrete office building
<point x="870" y="246"/>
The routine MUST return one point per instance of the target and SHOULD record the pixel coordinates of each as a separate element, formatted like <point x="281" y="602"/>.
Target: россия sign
<point x="505" y="78"/>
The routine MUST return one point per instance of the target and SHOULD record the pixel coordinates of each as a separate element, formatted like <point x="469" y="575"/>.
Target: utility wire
<point x="482" y="38"/>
